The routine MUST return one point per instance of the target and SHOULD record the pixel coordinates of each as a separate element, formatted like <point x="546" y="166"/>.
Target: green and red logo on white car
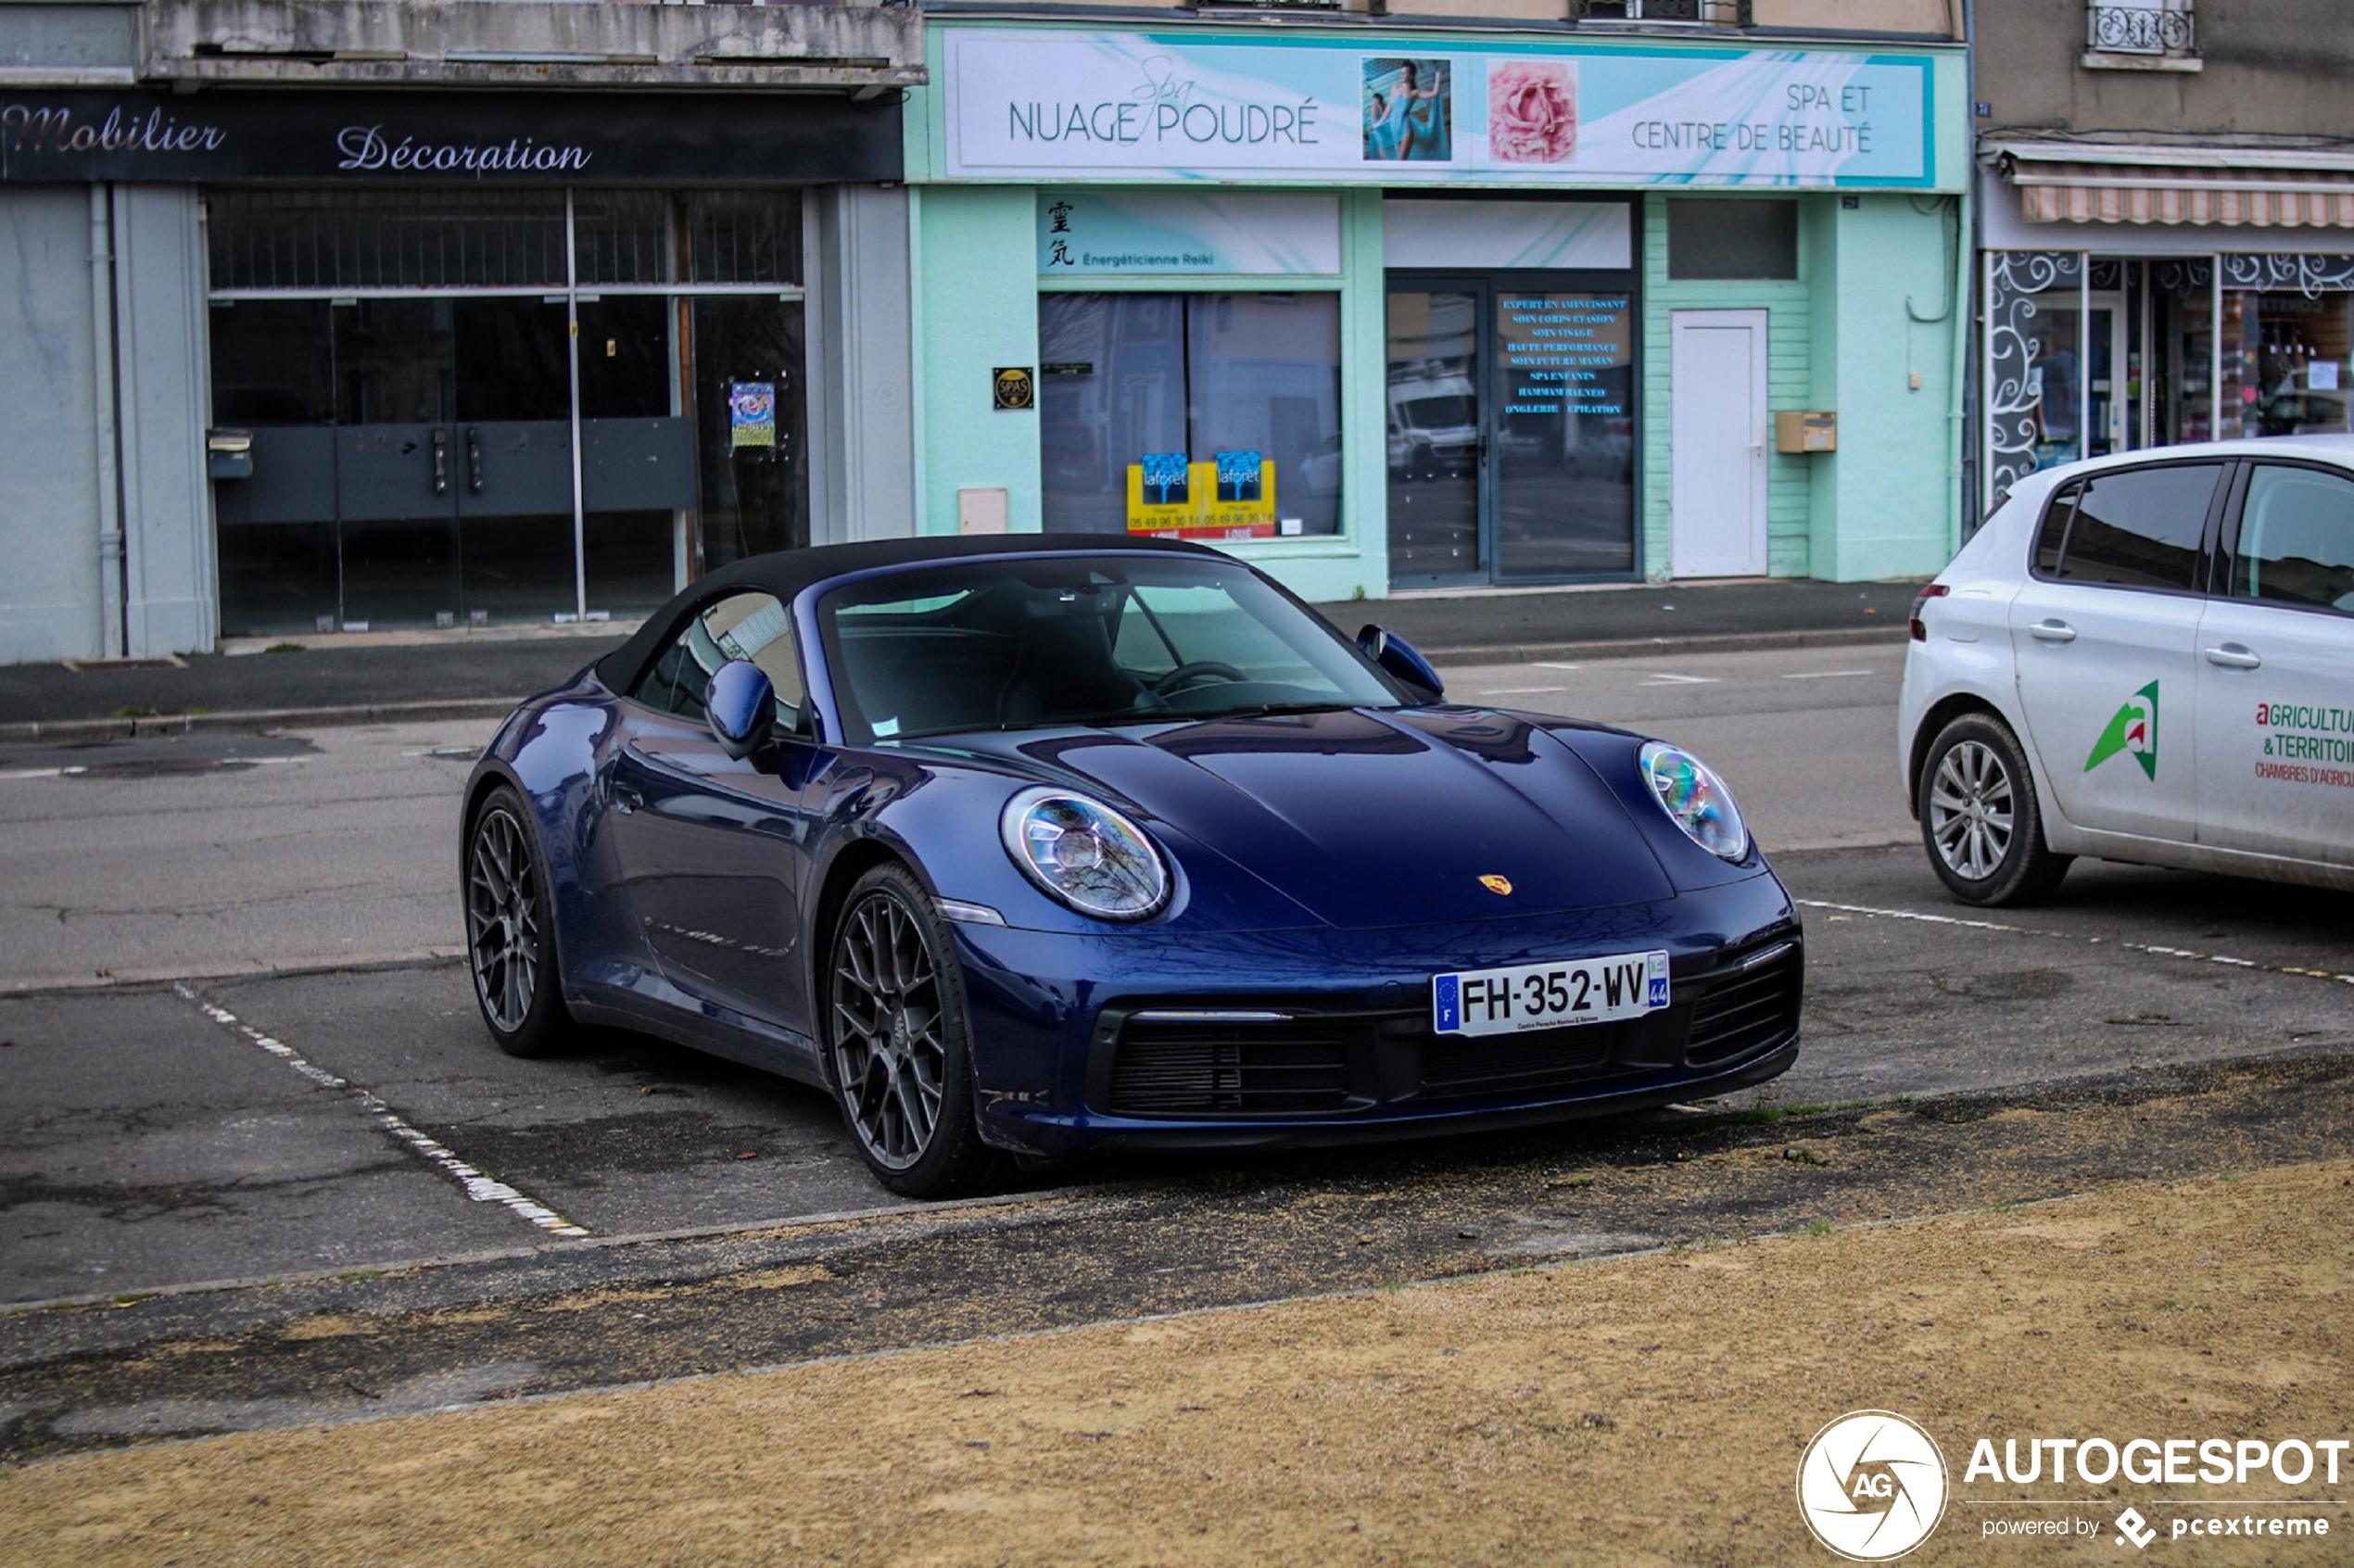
<point x="2133" y="732"/>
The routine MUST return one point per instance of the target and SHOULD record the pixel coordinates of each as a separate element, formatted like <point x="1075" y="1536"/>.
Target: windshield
<point x="1437" y="413"/>
<point x="1007" y="644"/>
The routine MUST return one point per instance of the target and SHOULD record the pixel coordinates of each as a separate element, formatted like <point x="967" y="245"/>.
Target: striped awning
<point x="2073" y="182"/>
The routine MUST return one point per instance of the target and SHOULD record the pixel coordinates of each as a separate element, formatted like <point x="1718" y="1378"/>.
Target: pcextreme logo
<point x="2133" y="731"/>
<point x="1871" y="1485"/>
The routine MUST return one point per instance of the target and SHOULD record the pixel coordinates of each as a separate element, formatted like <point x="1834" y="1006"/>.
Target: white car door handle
<point x="2052" y="631"/>
<point x="2232" y="656"/>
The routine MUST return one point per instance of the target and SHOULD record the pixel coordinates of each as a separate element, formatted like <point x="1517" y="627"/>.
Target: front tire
<point x="1980" y="819"/>
<point x="511" y="930"/>
<point x="898" y="1042"/>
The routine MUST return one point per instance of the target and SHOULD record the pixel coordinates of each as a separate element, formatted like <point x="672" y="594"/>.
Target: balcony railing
<point x="2140" y="27"/>
<point x="1721" y="13"/>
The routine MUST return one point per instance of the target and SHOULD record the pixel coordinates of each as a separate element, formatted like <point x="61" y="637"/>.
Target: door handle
<point x="473" y="459"/>
<point x="2052" y="631"/>
<point x="2232" y="656"/>
<point x="440" y="461"/>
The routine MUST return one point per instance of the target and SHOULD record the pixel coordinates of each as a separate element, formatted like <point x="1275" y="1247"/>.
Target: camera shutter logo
<point x="1871" y="1485"/>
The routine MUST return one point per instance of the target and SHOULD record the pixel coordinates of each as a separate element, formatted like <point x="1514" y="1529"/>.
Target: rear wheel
<point x="899" y="1043"/>
<point x="1979" y="822"/>
<point x="511" y="930"/>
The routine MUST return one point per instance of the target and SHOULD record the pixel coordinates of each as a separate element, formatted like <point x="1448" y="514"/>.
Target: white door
<point x="2102" y="636"/>
<point x="1717" y="378"/>
<point x="2276" y="672"/>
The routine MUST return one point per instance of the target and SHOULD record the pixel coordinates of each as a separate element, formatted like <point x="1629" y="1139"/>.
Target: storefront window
<point x="2287" y="358"/>
<point x="1201" y="415"/>
<point x="415" y="367"/>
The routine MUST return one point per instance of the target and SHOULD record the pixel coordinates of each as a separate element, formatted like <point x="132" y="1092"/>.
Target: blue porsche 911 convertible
<point x="1040" y="843"/>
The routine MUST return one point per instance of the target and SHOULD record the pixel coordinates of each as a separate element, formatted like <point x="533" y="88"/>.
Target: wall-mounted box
<point x="981" y="511"/>
<point x="1797" y="430"/>
<point x="228" y="454"/>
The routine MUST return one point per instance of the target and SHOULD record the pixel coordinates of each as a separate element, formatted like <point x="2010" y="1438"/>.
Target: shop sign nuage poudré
<point x="1122" y="105"/>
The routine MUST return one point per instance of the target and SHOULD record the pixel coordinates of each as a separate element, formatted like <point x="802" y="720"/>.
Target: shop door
<point x="1716" y="517"/>
<point x="454" y="459"/>
<point x="1511" y="430"/>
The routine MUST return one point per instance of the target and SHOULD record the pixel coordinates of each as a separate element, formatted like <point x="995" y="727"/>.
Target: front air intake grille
<point x="1292" y="1056"/>
<point x="1182" y="1069"/>
<point x="1752" y="1005"/>
<point x="1505" y="1064"/>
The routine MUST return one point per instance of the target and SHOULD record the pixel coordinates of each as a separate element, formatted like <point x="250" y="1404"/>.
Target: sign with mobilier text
<point x="327" y="137"/>
<point x="1038" y="103"/>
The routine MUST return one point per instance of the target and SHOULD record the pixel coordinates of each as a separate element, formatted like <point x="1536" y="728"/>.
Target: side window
<point x="2137" y="528"/>
<point x="2296" y="539"/>
<point x="743" y="626"/>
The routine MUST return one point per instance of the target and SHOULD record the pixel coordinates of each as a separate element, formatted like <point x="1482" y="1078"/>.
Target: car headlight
<point x="1690" y="792"/>
<point x="1086" y="854"/>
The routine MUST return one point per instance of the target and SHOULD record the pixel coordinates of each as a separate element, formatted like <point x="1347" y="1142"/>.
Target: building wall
<point x="862" y="367"/>
<point x="1871" y="307"/>
<point x="976" y="281"/>
<point x="49" y="454"/>
<point x="164" y="383"/>
<point x="2266" y="67"/>
<point x="1887" y="501"/>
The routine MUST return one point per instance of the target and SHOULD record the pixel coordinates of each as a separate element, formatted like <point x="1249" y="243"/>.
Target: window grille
<point x="387" y="239"/>
<point x="2140" y="27"/>
<point x="748" y="237"/>
<point x="360" y="241"/>
<point x="1723" y="12"/>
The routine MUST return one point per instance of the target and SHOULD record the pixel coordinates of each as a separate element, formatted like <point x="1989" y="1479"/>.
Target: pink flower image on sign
<point x="1532" y="111"/>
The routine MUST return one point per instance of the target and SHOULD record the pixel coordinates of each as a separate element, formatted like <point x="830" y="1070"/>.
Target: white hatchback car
<point x="2144" y="658"/>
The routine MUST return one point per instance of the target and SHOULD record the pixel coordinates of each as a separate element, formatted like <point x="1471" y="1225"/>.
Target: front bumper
<point x="1142" y="1039"/>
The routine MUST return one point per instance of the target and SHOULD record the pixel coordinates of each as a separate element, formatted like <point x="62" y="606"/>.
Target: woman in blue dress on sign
<point x="1420" y="115"/>
<point x="1383" y="123"/>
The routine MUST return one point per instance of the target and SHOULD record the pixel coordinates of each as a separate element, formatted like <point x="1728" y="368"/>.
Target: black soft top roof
<point x="786" y="572"/>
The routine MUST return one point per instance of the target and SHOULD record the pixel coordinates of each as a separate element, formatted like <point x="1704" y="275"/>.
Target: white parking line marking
<point x="1824" y="674"/>
<point x="477" y="1186"/>
<point x="2149" y="947"/>
<point x="1543" y="664"/>
<point x="1519" y="691"/>
<point x="1660" y="677"/>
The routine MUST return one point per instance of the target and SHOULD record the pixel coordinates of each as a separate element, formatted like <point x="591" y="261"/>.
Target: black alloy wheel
<point x="1980" y="821"/>
<point x="899" y="1046"/>
<point x="510" y="933"/>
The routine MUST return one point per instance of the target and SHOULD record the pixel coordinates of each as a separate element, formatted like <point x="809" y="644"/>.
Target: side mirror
<point x="740" y="704"/>
<point x="1402" y="659"/>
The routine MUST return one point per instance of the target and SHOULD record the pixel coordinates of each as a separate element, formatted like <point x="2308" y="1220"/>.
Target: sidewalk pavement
<point x="467" y="675"/>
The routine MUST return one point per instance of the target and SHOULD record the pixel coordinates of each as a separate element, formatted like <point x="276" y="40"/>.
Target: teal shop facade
<point x="1381" y="310"/>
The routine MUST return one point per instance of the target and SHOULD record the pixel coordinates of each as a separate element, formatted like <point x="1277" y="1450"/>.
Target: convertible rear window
<point x="1013" y="644"/>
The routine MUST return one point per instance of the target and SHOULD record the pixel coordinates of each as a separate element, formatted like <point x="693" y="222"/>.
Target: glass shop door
<point x="1510" y="415"/>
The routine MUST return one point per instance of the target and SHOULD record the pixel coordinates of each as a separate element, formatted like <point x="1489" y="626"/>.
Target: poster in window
<point x="752" y="414"/>
<point x="1230" y="497"/>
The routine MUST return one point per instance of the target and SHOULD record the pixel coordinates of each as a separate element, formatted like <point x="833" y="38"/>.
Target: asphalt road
<point x="217" y="855"/>
<point x="299" y="1088"/>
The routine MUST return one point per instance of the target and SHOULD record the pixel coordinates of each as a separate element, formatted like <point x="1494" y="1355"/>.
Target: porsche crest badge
<point x="1501" y="886"/>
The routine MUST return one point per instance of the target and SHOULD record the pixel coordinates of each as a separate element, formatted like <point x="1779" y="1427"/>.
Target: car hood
<point x="1371" y="819"/>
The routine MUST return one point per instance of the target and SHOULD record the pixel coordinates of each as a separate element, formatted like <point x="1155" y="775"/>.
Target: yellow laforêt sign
<point x="1232" y="497"/>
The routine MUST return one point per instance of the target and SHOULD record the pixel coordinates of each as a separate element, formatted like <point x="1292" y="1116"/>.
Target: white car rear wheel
<point x="1980" y="821"/>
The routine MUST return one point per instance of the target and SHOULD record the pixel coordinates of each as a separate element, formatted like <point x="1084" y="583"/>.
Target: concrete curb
<point x="1656" y="647"/>
<point x="70" y="731"/>
<point x="31" y="731"/>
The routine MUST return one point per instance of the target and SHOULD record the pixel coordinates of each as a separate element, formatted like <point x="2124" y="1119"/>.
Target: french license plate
<point x="1578" y="991"/>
